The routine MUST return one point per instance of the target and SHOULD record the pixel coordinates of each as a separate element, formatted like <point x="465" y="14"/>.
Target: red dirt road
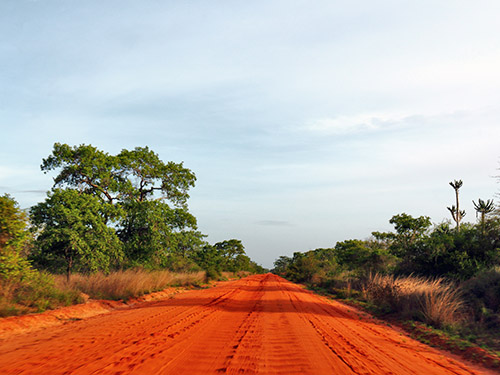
<point x="258" y="325"/>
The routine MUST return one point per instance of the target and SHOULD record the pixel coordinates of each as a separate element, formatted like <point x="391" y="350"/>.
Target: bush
<point x="40" y="292"/>
<point x="34" y="292"/>
<point x="482" y="294"/>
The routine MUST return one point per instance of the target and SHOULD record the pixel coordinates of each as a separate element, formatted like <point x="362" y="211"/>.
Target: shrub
<point x="34" y="292"/>
<point x="41" y="293"/>
<point x="482" y="294"/>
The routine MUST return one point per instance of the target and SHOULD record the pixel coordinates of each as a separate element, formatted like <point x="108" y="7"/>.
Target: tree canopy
<point x="131" y="175"/>
<point x="123" y="210"/>
<point x="74" y="233"/>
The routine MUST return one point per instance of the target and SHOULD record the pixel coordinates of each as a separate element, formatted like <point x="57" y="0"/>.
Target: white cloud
<point x="348" y="124"/>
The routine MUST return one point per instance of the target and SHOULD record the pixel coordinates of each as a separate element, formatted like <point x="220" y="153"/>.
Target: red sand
<point x="258" y="325"/>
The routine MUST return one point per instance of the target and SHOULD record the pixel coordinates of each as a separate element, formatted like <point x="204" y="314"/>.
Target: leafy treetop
<point x="130" y="175"/>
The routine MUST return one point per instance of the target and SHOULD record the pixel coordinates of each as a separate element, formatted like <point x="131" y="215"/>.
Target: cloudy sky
<point x="306" y="122"/>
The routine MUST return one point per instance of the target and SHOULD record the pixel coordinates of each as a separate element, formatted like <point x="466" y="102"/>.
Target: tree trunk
<point x="68" y="269"/>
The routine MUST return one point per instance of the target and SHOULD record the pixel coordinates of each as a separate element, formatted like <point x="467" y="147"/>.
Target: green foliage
<point x="225" y="256"/>
<point x="131" y="175"/>
<point x="14" y="267"/>
<point x="441" y="251"/>
<point x="440" y="275"/>
<point x="482" y="294"/>
<point x="74" y="234"/>
<point x="483" y="208"/>
<point x="133" y="195"/>
<point x="409" y="230"/>
<point x="348" y="259"/>
<point x="210" y="259"/>
<point x="363" y="257"/>
<point x="40" y="293"/>
<point x="14" y="239"/>
<point x="105" y="212"/>
<point x="151" y="232"/>
<point x="13" y="224"/>
<point x="21" y="287"/>
<point x="282" y="264"/>
<point x="146" y="174"/>
<point x="85" y="168"/>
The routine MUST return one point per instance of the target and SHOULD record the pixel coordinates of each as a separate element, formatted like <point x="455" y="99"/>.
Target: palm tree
<point x="456" y="214"/>
<point x="484" y="208"/>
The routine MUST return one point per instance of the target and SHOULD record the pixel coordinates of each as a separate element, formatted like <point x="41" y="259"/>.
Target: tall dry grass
<point x="434" y="301"/>
<point x="129" y="283"/>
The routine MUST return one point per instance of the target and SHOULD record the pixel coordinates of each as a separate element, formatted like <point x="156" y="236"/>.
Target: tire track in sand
<point x="259" y="325"/>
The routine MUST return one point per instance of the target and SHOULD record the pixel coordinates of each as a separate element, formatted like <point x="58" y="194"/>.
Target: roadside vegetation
<point x="122" y="285"/>
<point x="444" y="276"/>
<point x="112" y="226"/>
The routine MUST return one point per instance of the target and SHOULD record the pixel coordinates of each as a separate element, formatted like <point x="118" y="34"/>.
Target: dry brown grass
<point x="433" y="301"/>
<point x="129" y="283"/>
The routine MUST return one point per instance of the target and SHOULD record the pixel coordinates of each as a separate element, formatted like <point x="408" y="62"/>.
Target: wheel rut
<point x="258" y="325"/>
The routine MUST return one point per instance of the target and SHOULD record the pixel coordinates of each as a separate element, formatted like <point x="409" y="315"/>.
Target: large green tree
<point x="73" y="233"/>
<point x="141" y="197"/>
<point x="137" y="175"/>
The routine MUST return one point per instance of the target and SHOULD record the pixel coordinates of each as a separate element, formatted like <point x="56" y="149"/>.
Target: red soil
<point x="258" y="325"/>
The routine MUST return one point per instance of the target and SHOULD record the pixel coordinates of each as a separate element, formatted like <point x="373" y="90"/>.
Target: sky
<point x="305" y="122"/>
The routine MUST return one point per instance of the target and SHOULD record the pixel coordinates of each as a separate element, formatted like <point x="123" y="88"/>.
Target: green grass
<point x="35" y="293"/>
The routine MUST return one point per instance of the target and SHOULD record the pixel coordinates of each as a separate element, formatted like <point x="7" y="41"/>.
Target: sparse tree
<point x="455" y="211"/>
<point x="483" y="208"/>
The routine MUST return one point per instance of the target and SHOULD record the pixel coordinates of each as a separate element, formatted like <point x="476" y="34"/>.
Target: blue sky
<point x="306" y="122"/>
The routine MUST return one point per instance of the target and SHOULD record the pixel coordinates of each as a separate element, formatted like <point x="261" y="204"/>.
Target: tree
<point x="359" y="256"/>
<point x="86" y="169"/>
<point x="131" y="175"/>
<point x="149" y="197"/>
<point x="484" y="208"/>
<point x="13" y="223"/>
<point x="408" y="231"/>
<point x="73" y="233"/>
<point x="14" y="239"/>
<point x="228" y="255"/>
<point x="146" y="174"/>
<point x="281" y="265"/>
<point x="229" y="250"/>
<point x="210" y="259"/>
<point x="455" y="211"/>
<point x="151" y="232"/>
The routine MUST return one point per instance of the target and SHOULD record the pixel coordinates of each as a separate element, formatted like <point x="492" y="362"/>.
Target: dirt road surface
<point x="258" y="325"/>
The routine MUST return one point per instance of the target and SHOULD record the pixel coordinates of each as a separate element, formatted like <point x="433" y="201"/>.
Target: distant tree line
<point x="414" y="247"/>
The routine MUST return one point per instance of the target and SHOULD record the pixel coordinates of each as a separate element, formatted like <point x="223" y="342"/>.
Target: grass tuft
<point x="129" y="283"/>
<point x="433" y="301"/>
